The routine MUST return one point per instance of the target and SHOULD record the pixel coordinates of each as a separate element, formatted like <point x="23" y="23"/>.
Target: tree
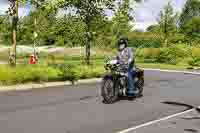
<point x="153" y="28"/>
<point x="192" y="29"/>
<point x="27" y="28"/>
<point x="121" y="25"/>
<point x="191" y="9"/>
<point x="90" y="12"/>
<point x="167" y="22"/>
<point x="69" y="30"/>
<point x="5" y="29"/>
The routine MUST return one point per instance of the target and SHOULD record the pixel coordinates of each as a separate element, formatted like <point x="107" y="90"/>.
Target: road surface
<point x="79" y="109"/>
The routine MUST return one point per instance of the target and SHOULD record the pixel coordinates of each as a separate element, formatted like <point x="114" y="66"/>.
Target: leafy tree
<point x="167" y="22"/>
<point x="27" y="28"/>
<point x="192" y="29"/>
<point x="69" y="31"/>
<point x="121" y="25"/>
<point x="5" y="29"/>
<point x="191" y="9"/>
<point x="90" y="12"/>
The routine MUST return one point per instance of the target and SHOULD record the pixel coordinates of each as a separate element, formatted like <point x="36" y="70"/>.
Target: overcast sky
<point x="145" y="12"/>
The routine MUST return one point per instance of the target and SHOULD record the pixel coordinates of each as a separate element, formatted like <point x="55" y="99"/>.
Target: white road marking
<point x="165" y="118"/>
<point x="155" y="121"/>
<point x="172" y="71"/>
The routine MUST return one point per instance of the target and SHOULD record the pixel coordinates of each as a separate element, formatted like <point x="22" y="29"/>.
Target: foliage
<point x="194" y="61"/>
<point x="192" y="29"/>
<point x="5" y="29"/>
<point x="44" y="73"/>
<point x="191" y="9"/>
<point x="121" y="19"/>
<point x="171" y="55"/>
<point x="144" y="40"/>
<point x="167" y="22"/>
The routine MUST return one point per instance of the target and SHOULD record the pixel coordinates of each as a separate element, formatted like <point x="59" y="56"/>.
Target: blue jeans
<point x="132" y="90"/>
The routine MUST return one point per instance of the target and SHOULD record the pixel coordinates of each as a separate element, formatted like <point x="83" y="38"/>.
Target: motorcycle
<point x="115" y="83"/>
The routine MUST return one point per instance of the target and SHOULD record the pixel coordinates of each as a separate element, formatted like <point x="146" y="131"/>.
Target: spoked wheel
<point x="109" y="93"/>
<point x="140" y="85"/>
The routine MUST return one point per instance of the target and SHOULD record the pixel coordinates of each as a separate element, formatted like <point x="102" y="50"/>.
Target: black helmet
<point x="122" y="41"/>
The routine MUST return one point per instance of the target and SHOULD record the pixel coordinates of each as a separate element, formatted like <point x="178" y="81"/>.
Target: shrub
<point x="151" y="53"/>
<point x="173" y="54"/>
<point x="33" y="73"/>
<point x="194" y="62"/>
<point x="144" y="43"/>
<point x="67" y="72"/>
<point x="144" y="40"/>
<point x="196" y="52"/>
<point x="36" y="73"/>
<point x="6" y="75"/>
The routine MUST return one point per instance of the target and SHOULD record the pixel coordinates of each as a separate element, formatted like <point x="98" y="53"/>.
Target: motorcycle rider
<point x="126" y="59"/>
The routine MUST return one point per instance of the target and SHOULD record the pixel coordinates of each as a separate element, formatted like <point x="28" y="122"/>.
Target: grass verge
<point x="69" y="71"/>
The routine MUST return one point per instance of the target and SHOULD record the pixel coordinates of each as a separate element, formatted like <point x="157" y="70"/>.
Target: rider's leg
<point x="132" y="90"/>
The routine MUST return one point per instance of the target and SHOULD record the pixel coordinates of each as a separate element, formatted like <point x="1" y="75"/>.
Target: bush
<point x="151" y="53"/>
<point x="170" y="55"/>
<point x="67" y="72"/>
<point x="144" y="40"/>
<point x="144" y="43"/>
<point x="173" y="54"/>
<point x="196" y="52"/>
<point x="23" y="74"/>
<point x="194" y="62"/>
<point x="84" y="71"/>
<point x="36" y="73"/>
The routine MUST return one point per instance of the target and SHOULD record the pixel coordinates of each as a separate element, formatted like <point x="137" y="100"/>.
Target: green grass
<point x="62" y="72"/>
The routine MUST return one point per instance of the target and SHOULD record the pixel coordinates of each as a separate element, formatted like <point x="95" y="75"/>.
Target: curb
<point x="85" y="81"/>
<point x="47" y="84"/>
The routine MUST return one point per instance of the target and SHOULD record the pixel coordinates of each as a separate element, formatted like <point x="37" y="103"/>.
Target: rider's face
<point x="121" y="47"/>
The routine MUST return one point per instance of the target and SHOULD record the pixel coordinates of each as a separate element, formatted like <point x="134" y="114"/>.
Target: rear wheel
<point x="139" y="85"/>
<point x="108" y="91"/>
<point x="140" y="82"/>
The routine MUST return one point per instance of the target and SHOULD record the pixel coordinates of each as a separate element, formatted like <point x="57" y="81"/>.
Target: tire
<point x="140" y="82"/>
<point x="108" y="91"/>
<point x="140" y="85"/>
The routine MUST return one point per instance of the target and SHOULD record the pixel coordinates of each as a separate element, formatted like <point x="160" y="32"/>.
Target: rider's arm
<point x="131" y="56"/>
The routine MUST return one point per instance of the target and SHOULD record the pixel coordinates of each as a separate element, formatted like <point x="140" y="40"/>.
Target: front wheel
<point x="108" y="91"/>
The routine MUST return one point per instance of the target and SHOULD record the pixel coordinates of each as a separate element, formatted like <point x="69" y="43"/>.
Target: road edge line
<point x="172" y="71"/>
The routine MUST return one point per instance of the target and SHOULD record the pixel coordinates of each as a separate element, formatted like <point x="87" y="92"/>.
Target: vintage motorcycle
<point x="114" y="83"/>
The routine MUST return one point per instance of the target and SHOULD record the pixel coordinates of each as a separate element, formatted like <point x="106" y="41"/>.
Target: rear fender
<point x="140" y="73"/>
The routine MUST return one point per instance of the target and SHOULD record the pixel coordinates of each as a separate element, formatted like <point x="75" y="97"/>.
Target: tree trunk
<point x="14" y="35"/>
<point x="88" y="41"/>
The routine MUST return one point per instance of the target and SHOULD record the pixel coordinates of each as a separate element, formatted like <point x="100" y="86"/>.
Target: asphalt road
<point x="79" y="109"/>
